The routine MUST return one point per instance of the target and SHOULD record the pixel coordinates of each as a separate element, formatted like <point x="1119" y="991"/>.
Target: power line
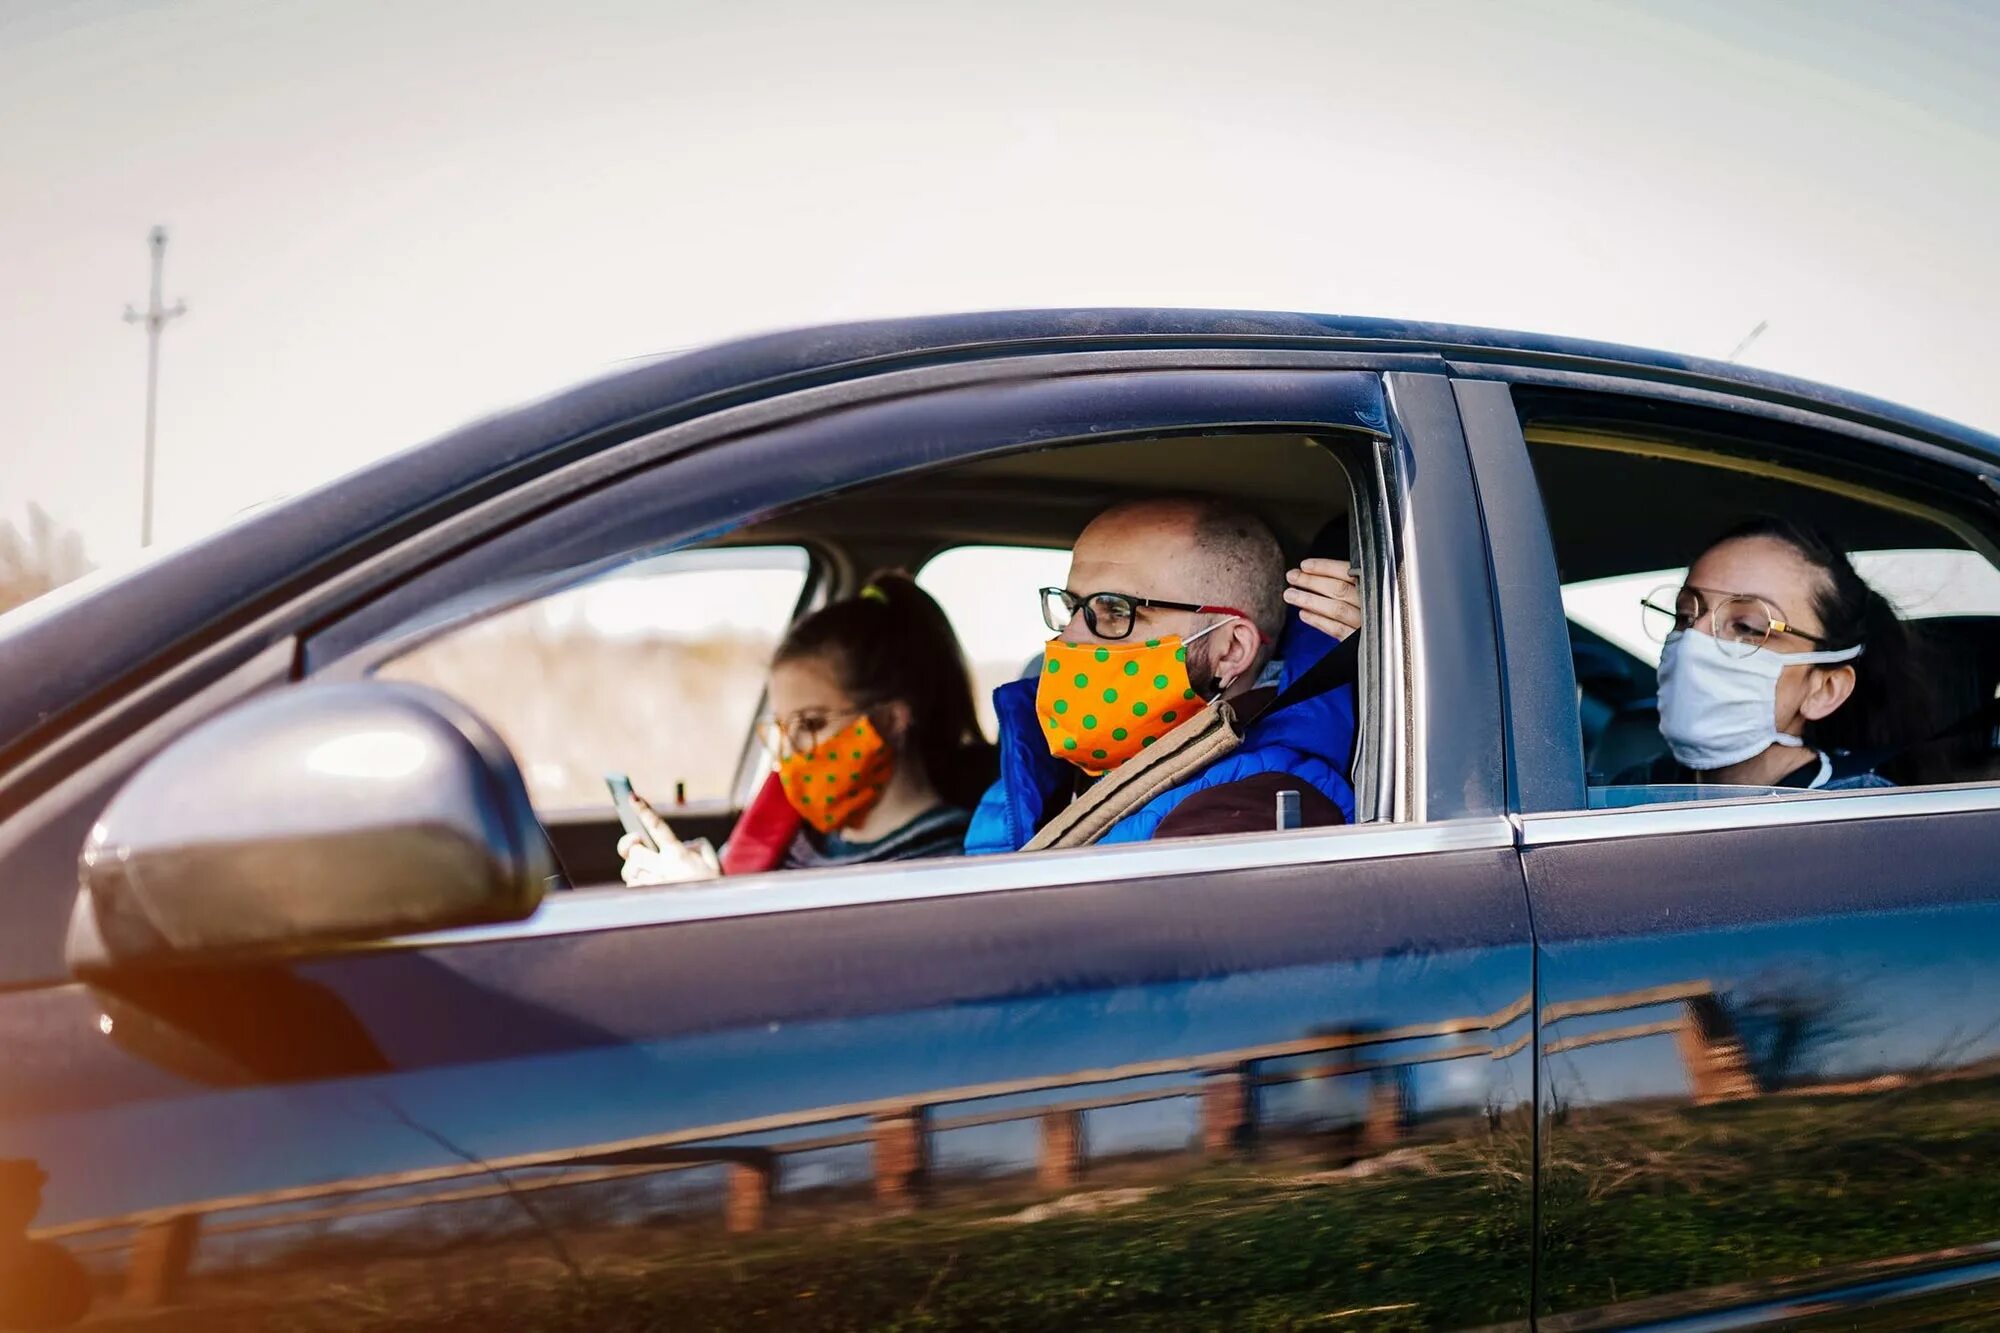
<point x="155" y="318"/>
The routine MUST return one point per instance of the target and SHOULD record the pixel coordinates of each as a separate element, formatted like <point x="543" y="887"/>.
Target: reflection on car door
<point x="1240" y="1082"/>
<point x="1772" y="1044"/>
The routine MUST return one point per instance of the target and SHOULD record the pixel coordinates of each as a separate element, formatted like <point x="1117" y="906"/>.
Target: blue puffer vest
<point x="1312" y="740"/>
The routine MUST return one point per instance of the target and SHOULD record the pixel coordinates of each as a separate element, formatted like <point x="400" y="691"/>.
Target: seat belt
<point x="1340" y="666"/>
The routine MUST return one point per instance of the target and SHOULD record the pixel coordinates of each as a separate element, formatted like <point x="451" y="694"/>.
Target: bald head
<point x="1185" y="550"/>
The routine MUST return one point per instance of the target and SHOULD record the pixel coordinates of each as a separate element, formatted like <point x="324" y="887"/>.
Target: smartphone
<point x="628" y="809"/>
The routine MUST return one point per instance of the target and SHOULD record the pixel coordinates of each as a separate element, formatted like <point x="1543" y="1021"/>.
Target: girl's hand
<point x="675" y="863"/>
<point x="1327" y="596"/>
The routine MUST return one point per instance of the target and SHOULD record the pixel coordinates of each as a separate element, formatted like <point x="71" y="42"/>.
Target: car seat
<point x="1618" y="705"/>
<point x="1966" y="650"/>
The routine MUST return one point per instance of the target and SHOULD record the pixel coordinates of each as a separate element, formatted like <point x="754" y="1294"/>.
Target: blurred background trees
<point x="38" y="557"/>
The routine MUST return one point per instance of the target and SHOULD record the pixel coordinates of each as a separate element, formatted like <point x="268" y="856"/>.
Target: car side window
<point x="661" y="669"/>
<point x="1629" y="517"/>
<point x="989" y="594"/>
<point x="656" y="670"/>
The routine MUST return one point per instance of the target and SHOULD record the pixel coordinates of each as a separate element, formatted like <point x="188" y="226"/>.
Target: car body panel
<point x="1804" y="1062"/>
<point x="709" y="1050"/>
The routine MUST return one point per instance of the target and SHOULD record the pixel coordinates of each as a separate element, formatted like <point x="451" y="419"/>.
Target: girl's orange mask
<point x="836" y="784"/>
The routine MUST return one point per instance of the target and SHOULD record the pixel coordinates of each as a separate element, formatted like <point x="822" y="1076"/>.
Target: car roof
<point x="130" y="627"/>
<point x="742" y="362"/>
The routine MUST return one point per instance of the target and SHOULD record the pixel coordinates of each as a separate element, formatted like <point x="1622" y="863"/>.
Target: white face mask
<point x="1717" y="710"/>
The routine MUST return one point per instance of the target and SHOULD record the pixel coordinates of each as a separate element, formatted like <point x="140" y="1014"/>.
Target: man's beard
<point x="1201" y="670"/>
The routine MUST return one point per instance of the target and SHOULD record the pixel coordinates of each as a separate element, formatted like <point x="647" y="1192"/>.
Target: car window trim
<point x="788" y="891"/>
<point x="327" y="647"/>
<point x="1545" y="760"/>
<point x="1451" y="765"/>
<point x="1815" y="415"/>
<point x="1663" y="446"/>
<point x="1798" y="810"/>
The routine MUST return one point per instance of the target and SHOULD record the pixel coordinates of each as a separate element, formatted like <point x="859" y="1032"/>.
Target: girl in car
<point x="875" y="740"/>
<point x="1782" y="667"/>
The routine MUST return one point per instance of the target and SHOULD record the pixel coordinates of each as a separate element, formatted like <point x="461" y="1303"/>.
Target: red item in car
<point x="764" y="832"/>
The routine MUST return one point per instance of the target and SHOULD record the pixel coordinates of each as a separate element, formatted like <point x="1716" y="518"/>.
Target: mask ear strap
<point x="1220" y="683"/>
<point x="1209" y="629"/>
<point x="1824" y="657"/>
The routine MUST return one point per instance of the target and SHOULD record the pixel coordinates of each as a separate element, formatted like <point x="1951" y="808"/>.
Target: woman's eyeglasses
<point x="1113" y="615"/>
<point x="1740" y="622"/>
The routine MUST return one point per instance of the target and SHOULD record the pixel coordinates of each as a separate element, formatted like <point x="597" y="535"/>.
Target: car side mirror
<point x="318" y="816"/>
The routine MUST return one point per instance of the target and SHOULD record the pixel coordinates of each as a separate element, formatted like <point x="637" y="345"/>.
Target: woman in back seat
<point x="1782" y="667"/>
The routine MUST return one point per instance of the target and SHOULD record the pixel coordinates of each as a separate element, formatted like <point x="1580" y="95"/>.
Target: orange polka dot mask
<point x="1102" y="703"/>
<point x="835" y="784"/>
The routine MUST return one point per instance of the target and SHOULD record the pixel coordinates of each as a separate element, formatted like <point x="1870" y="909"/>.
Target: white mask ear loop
<point x="1821" y="657"/>
<point x="1221" y="686"/>
<point x="1824" y="657"/>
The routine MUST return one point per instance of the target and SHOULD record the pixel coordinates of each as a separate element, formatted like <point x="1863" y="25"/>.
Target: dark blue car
<point x="322" y="1005"/>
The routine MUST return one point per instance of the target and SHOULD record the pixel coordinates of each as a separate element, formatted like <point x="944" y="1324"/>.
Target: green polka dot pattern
<point x="1144" y="685"/>
<point x="834" y="788"/>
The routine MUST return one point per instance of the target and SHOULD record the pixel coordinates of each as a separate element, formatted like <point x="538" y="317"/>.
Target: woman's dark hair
<point x="893" y="642"/>
<point x="1895" y="705"/>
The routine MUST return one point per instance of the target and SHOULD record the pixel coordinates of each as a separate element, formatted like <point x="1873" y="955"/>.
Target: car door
<point x="1232" y="1082"/>
<point x="1769" y="1030"/>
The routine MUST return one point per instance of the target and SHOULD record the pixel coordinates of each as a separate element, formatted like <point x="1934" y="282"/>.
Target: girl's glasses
<point x="803" y="732"/>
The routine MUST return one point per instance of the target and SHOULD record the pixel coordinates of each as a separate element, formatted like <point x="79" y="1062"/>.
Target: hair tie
<point x="872" y="593"/>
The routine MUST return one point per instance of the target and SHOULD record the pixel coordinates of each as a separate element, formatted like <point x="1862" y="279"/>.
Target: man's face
<point x="1140" y="554"/>
<point x="1150" y="551"/>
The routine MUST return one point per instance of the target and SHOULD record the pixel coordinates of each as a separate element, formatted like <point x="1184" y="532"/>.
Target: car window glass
<point x="1922" y="584"/>
<point x="990" y="594"/>
<point x="656" y="670"/>
<point x="1626" y="518"/>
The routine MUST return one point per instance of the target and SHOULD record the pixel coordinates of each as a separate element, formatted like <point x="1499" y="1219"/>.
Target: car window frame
<point x="1245" y="387"/>
<point x="1501" y="441"/>
<point x="1418" y="419"/>
<point x="65" y="775"/>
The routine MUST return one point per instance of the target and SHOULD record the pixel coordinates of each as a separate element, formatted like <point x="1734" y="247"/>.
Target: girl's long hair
<point x="894" y="642"/>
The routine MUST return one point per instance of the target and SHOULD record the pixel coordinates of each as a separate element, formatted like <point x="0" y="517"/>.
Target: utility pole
<point x="155" y="319"/>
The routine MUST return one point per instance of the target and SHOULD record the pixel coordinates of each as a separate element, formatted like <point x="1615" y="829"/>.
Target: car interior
<point x="1621" y="500"/>
<point x="1037" y="499"/>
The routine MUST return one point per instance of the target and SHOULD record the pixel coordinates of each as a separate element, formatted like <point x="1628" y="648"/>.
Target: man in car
<point x="1151" y="714"/>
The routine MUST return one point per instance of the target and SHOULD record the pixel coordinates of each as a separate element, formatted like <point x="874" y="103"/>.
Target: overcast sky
<point x="390" y="217"/>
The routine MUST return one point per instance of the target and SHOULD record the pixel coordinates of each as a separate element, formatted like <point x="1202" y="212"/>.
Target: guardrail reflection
<point x="1230" y="1091"/>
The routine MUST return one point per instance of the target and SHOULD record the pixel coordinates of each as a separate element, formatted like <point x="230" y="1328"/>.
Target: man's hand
<point x="1327" y="596"/>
